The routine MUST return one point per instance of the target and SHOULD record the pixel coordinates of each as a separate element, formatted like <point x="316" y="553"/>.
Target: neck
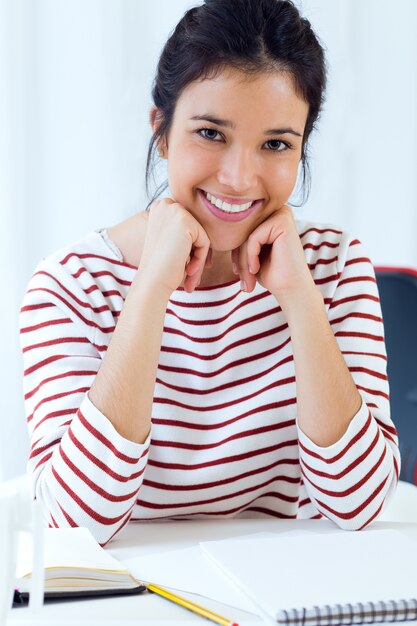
<point x="220" y="271"/>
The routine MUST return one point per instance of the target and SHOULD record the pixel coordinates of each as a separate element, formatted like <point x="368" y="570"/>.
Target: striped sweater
<point x="224" y="439"/>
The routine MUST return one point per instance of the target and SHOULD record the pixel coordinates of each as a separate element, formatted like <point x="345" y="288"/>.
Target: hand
<point x="273" y="255"/>
<point x="176" y="247"/>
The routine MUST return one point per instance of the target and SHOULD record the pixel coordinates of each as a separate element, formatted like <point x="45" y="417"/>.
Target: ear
<point x="155" y="119"/>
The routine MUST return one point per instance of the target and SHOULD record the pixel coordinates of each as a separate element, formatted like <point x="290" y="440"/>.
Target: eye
<point x="276" y="145"/>
<point x="208" y="133"/>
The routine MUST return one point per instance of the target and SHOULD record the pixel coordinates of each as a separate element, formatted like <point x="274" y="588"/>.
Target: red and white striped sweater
<point x="224" y="439"/>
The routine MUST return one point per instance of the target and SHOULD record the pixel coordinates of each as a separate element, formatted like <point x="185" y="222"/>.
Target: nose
<point x="238" y="170"/>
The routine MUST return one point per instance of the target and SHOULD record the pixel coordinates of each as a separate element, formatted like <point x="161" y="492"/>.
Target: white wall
<point x="75" y="80"/>
<point x="366" y="151"/>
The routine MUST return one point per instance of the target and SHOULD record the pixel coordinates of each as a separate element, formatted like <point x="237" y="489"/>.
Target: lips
<point x="223" y="215"/>
<point x="229" y="199"/>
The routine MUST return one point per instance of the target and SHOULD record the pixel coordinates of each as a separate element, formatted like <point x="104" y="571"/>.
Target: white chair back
<point x="19" y="512"/>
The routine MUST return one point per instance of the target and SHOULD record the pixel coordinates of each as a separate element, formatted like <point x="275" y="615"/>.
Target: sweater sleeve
<point x="350" y="481"/>
<point x="83" y="471"/>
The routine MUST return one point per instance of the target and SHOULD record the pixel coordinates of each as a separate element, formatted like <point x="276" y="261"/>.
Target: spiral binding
<point x="349" y="615"/>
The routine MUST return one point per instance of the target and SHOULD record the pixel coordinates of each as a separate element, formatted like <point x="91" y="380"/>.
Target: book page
<point x="187" y="570"/>
<point x="73" y="548"/>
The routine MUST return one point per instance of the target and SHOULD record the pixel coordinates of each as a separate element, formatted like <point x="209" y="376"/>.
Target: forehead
<point x="263" y="98"/>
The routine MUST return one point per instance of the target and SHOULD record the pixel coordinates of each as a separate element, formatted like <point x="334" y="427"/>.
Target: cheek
<point x="285" y="178"/>
<point x="189" y="167"/>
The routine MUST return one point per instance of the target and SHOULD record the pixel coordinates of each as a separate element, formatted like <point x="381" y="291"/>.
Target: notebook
<point x="325" y="579"/>
<point x="75" y="565"/>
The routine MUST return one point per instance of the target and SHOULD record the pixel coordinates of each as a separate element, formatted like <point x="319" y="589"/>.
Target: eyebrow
<point x="227" y="124"/>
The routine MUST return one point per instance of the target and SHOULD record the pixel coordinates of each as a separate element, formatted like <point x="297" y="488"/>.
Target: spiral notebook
<point x="325" y="579"/>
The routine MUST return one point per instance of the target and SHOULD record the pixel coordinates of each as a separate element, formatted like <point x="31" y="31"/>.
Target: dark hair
<point x="252" y="36"/>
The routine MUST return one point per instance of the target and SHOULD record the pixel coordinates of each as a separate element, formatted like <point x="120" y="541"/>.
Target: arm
<point x="327" y="397"/>
<point x="116" y="390"/>
<point x="89" y="418"/>
<point x="85" y="471"/>
<point x="123" y="388"/>
<point x="348" y="444"/>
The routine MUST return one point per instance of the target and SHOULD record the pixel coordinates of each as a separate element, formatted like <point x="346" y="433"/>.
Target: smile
<point x="227" y="211"/>
<point x="225" y="206"/>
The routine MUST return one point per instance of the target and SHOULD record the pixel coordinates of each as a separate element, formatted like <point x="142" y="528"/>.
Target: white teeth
<point x="225" y="206"/>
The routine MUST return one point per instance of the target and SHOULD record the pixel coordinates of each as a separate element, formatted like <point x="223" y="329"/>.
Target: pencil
<point x="191" y="606"/>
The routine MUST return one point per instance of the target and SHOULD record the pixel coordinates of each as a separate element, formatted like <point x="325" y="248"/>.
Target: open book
<point x="75" y="565"/>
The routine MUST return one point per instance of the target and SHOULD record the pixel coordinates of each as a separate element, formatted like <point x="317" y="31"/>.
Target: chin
<point x="220" y="243"/>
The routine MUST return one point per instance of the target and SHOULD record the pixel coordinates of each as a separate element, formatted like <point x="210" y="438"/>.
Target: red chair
<point x="398" y="294"/>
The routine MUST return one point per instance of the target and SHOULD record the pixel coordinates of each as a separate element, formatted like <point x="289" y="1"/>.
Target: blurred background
<point x="75" y="81"/>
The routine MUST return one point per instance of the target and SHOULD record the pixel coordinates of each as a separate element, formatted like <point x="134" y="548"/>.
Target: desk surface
<point x="144" y="538"/>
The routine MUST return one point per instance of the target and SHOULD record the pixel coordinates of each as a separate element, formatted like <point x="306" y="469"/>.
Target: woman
<point x="212" y="356"/>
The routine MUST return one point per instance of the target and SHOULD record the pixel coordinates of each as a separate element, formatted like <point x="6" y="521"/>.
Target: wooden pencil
<point x="191" y="606"/>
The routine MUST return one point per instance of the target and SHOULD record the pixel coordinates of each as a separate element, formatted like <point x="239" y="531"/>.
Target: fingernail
<point x="243" y="285"/>
<point x="251" y="270"/>
<point x="234" y="268"/>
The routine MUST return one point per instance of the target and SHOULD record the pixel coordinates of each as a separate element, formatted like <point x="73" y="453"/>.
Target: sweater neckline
<point x="116" y="252"/>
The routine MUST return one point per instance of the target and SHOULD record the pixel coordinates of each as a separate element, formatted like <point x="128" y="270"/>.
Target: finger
<point x="235" y="260"/>
<point x="265" y="234"/>
<point x="199" y="253"/>
<point x="209" y="259"/>
<point x="190" y="283"/>
<point x="197" y="262"/>
<point x="190" y="264"/>
<point x="248" y="280"/>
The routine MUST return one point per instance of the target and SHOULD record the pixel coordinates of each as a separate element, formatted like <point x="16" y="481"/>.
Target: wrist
<point x="146" y="285"/>
<point x="145" y="290"/>
<point x="300" y="302"/>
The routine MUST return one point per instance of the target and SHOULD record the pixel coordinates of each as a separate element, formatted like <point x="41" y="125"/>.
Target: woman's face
<point x="245" y="146"/>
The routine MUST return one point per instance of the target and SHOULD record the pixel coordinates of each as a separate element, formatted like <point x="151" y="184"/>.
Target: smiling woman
<point x="238" y="158"/>
<point x="211" y="355"/>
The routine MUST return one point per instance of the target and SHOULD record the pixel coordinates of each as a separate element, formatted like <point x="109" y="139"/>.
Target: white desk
<point x="144" y="538"/>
